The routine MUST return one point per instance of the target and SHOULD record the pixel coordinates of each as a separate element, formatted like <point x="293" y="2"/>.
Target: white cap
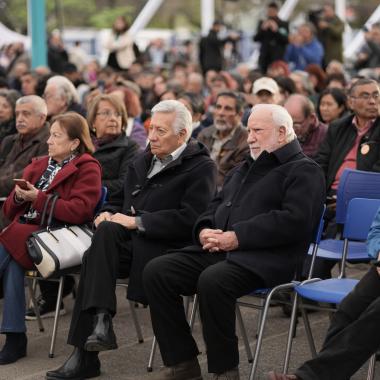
<point x="265" y="83"/>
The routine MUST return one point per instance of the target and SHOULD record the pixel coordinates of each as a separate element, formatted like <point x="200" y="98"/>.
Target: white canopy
<point x="8" y="36"/>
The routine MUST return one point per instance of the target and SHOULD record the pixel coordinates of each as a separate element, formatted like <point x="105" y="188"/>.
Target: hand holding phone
<point x="22" y="183"/>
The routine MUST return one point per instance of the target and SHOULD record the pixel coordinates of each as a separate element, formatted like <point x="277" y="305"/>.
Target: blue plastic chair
<point x="359" y="217"/>
<point x="352" y="184"/>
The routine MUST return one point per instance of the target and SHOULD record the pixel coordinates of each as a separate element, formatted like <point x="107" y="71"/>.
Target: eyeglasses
<point x="108" y="114"/>
<point x="367" y="96"/>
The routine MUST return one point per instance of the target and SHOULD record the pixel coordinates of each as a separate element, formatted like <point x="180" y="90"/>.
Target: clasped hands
<point x="128" y="222"/>
<point x="213" y="240"/>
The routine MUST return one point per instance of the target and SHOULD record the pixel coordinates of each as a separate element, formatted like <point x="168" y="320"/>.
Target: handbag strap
<point x="44" y="210"/>
<point x="53" y="202"/>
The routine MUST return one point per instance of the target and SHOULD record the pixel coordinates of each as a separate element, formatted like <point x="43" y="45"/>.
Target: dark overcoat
<point x="114" y="158"/>
<point x="340" y="139"/>
<point x="273" y="204"/>
<point x="169" y="203"/>
<point x="78" y="185"/>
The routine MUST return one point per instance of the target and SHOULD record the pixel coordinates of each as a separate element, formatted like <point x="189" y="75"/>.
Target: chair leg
<point x="309" y="334"/>
<point x="371" y="368"/>
<point x="259" y="316"/>
<point x="135" y="319"/>
<point x="193" y="312"/>
<point x="56" y="316"/>
<point x="243" y="332"/>
<point x="260" y="336"/>
<point x="291" y="333"/>
<point x="32" y="296"/>
<point x="152" y="354"/>
<point x="186" y="302"/>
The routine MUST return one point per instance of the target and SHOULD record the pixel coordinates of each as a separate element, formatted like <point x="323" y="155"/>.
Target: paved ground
<point x="129" y="361"/>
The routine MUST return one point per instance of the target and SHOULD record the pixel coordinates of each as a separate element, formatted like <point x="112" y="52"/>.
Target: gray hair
<point x="183" y="119"/>
<point x="38" y="103"/>
<point x="65" y="88"/>
<point x="280" y="117"/>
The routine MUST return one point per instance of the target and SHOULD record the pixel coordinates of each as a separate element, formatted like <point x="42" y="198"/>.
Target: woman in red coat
<point x="69" y="171"/>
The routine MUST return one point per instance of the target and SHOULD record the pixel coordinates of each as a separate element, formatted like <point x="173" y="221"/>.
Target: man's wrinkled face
<point x="28" y="121"/>
<point x="226" y="118"/>
<point x="365" y="101"/>
<point x="162" y="137"/>
<point x="263" y="135"/>
<point x="55" y="102"/>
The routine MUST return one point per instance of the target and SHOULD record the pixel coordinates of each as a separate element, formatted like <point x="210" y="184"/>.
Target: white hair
<point x="280" y="117"/>
<point x="39" y="105"/>
<point x="183" y="119"/>
<point x="65" y="88"/>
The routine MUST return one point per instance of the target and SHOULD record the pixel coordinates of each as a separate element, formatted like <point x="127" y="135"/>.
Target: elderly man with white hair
<point x="165" y="190"/>
<point x="254" y="234"/>
<point x="61" y="96"/>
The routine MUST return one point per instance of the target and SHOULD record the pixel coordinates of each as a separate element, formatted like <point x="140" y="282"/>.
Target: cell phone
<point x="21" y="182"/>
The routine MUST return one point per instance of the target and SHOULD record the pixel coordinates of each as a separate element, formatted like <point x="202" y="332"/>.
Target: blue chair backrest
<point x="355" y="184"/>
<point x="102" y="200"/>
<point x="318" y="233"/>
<point x="360" y="215"/>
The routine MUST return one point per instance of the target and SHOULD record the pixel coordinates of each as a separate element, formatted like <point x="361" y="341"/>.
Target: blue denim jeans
<point x="12" y="275"/>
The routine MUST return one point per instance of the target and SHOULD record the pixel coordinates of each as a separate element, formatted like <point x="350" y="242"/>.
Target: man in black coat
<point x="272" y="33"/>
<point x="254" y="234"/>
<point x="165" y="191"/>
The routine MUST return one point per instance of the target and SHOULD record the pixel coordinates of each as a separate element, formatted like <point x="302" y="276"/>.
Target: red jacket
<point x="78" y="184"/>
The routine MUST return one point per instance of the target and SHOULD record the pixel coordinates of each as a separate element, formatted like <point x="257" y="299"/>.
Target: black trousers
<point x="353" y="335"/>
<point x="108" y="259"/>
<point x="218" y="284"/>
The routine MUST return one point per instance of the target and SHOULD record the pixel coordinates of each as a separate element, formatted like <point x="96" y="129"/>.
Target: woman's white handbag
<point x="54" y="250"/>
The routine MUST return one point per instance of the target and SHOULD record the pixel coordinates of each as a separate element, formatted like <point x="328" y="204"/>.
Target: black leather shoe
<point x="80" y="365"/>
<point x="14" y="348"/>
<point x="103" y="337"/>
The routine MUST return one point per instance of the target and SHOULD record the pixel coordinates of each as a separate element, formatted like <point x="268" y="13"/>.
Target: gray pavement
<point x="130" y="360"/>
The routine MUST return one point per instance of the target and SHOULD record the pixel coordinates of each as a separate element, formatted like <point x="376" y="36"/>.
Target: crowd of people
<point x="204" y="159"/>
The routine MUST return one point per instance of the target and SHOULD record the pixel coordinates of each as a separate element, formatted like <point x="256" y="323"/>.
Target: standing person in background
<point x="272" y="33"/>
<point x="330" y="32"/>
<point x="120" y="46"/>
<point x="57" y="54"/>
<point x="210" y="49"/>
<point x="304" y="48"/>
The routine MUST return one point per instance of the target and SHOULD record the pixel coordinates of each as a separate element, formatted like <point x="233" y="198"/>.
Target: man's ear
<point x="282" y="134"/>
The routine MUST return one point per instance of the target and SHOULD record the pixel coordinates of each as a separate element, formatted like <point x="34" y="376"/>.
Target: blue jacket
<point x="299" y="57"/>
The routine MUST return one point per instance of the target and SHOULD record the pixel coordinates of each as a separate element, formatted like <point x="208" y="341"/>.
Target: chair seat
<point x="332" y="249"/>
<point x="332" y="290"/>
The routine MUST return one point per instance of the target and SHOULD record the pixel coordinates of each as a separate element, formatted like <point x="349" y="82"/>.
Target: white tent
<point x="8" y="36"/>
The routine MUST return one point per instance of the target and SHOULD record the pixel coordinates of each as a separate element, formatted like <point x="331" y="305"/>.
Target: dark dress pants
<point x="108" y="259"/>
<point x="218" y="284"/>
<point x="353" y="335"/>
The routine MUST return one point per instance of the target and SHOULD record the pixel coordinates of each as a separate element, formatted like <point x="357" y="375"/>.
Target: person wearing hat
<point x="265" y="91"/>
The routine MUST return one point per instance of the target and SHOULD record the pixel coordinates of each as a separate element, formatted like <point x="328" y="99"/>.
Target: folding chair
<point x="360" y="214"/>
<point x="352" y="184"/>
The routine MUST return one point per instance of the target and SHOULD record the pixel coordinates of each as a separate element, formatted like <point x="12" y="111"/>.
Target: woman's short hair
<point x="338" y="95"/>
<point x="76" y="127"/>
<point x="183" y="119"/>
<point x="116" y="102"/>
<point x="11" y="97"/>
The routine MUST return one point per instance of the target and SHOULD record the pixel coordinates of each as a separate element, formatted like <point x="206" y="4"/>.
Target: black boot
<point x="102" y="337"/>
<point x="14" y="348"/>
<point x="80" y="365"/>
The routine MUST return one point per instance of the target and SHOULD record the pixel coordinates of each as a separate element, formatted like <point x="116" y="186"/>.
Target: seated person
<point x="69" y="171"/>
<point x="107" y="120"/>
<point x="351" y="338"/>
<point x="309" y="130"/>
<point x="17" y="150"/>
<point x="226" y="139"/>
<point x="165" y="190"/>
<point x="254" y="234"/>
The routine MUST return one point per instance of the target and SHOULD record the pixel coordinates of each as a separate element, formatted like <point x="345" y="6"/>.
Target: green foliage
<point x="106" y="17"/>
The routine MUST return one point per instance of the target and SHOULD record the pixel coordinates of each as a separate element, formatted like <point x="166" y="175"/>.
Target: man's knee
<point x="106" y="228"/>
<point x="209" y="281"/>
<point x="154" y="271"/>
